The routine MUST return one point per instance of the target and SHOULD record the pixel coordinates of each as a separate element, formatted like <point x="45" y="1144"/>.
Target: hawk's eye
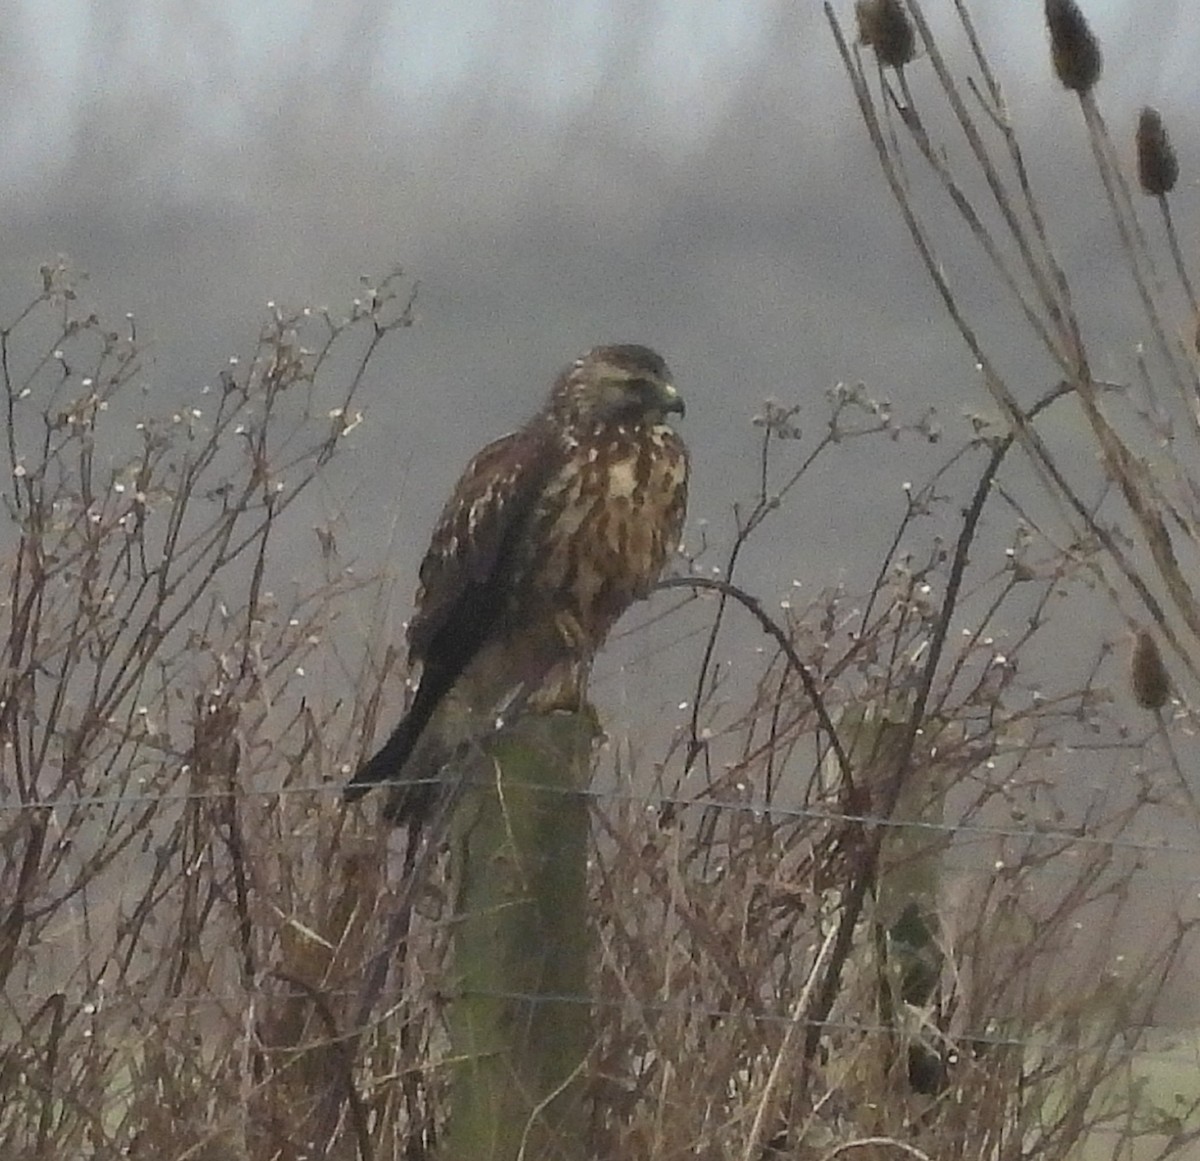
<point x="621" y="396"/>
<point x="618" y="394"/>
<point x="644" y="393"/>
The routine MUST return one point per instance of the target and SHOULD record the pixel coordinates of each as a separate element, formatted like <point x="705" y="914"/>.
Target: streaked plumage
<point x="549" y="536"/>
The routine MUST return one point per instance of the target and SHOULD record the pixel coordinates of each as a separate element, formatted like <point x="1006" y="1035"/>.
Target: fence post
<point x="906" y="918"/>
<point x="519" y="843"/>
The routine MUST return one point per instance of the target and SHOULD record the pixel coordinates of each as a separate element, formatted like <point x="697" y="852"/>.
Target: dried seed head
<point x="1158" y="167"/>
<point x="1073" y="48"/>
<point x="1148" y="674"/>
<point x="885" y="26"/>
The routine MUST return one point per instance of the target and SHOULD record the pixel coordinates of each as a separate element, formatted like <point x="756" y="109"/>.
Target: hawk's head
<point x="615" y="385"/>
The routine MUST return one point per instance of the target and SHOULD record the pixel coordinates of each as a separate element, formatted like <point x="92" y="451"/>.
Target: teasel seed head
<point x="1158" y="167"/>
<point x="1073" y="48"/>
<point x="886" y="27"/>
<point x="1148" y="674"/>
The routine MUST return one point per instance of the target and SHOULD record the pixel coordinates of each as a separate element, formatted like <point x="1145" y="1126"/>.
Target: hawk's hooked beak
<point x="670" y="399"/>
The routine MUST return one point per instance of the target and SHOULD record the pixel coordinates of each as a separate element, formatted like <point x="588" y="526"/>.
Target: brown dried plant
<point x="1135" y="543"/>
<point x="1148" y="674"/>
<point x="1074" y="48"/>
<point x="885" y="26"/>
<point x="1157" y="165"/>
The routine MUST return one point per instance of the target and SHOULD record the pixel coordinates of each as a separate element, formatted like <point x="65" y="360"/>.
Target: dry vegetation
<point x="904" y="891"/>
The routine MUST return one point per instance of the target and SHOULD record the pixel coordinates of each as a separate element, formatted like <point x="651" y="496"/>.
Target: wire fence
<point x="1176" y="1044"/>
<point x="1184" y="1041"/>
<point x="755" y="808"/>
<point x="308" y="962"/>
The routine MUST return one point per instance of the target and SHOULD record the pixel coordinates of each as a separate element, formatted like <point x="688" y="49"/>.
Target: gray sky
<point x="687" y="174"/>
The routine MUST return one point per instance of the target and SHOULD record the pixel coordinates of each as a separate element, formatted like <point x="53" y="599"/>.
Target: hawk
<point x="552" y="532"/>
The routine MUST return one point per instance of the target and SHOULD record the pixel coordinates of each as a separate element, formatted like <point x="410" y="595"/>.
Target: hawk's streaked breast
<point x="607" y="524"/>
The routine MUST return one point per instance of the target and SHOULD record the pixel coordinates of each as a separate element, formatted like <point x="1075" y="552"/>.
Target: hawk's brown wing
<point x="464" y="581"/>
<point x="463" y="577"/>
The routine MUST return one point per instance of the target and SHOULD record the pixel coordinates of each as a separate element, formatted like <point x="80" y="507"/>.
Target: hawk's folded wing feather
<point x="462" y="577"/>
<point x="463" y="581"/>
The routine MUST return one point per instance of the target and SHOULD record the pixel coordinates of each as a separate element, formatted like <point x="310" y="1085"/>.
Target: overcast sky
<point x="689" y="175"/>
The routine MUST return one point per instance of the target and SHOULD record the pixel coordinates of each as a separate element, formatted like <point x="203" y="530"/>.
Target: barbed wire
<point x="147" y="1010"/>
<point x="242" y="999"/>
<point x="651" y="803"/>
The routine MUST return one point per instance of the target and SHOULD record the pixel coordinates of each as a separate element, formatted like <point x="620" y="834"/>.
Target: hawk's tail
<point x="387" y="765"/>
<point x="387" y="762"/>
